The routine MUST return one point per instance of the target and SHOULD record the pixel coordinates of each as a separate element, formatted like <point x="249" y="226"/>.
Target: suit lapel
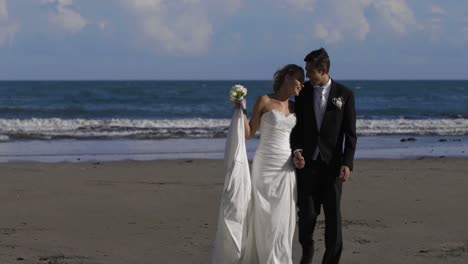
<point x="310" y="100"/>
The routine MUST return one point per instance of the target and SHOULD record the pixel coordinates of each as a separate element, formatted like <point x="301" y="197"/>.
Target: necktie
<point x="323" y="102"/>
<point x="320" y="105"/>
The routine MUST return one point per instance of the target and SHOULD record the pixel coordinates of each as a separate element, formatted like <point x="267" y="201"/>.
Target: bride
<point x="272" y="217"/>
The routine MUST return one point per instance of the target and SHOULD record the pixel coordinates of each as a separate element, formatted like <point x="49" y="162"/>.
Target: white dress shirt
<point x="320" y="106"/>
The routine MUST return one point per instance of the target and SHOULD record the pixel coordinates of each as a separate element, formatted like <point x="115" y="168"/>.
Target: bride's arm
<point x="252" y="126"/>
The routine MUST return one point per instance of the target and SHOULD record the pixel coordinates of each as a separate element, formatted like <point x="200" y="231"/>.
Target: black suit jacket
<point x="336" y="138"/>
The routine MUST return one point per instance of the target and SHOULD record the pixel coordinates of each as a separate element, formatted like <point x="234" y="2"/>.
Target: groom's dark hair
<point x="319" y="59"/>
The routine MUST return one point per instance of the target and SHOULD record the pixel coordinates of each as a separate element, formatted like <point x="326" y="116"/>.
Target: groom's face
<point x="315" y="76"/>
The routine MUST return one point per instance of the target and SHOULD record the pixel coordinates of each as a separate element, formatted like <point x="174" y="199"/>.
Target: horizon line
<point x="209" y="80"/>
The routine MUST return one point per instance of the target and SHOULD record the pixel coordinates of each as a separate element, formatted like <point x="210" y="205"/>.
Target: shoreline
<point x="188" y="159"/>
<point x="389" y="147"/>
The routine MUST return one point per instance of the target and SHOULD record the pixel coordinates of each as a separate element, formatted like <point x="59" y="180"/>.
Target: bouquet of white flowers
<point x="237" y="93"/>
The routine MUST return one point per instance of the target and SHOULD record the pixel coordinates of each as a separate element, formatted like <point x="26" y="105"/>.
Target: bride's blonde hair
<point x="278" y="77"/>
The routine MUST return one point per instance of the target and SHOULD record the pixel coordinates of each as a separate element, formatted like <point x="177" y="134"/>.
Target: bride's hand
<point x="299" y="161"/>
<point x="242" y="104"/>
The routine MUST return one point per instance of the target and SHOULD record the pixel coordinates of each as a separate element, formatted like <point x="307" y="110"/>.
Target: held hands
<point x="298" y="160"/>
<point x="299" y="163"/>
<point x="345" y="173"/>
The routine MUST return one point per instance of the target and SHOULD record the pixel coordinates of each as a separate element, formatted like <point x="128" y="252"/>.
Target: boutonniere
<point x="338" y="102"/>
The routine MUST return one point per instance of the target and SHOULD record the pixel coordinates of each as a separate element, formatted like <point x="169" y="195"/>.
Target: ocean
<point x="155" y="115"/>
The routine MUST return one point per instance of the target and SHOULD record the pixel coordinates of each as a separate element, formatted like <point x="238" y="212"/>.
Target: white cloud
<point x="179" y="27"/>
<point x="435" y="30"/>
<point x="232" y="5"/>
<point x="438" y="10"/>
<point x="7" y="33"/>
<point x="223" y="7"/>
<point x="435" y="24"/>
<point x="66" y="17"/>
<point x="344" y="21"/>
<point x="3" y="9"/>
<point x="8" y="29"/>
<point x="347" y="19"/>
<point x="331" y="36"/>
<point x="397" y="15"/>
<point x="306" y="5"/>
<point x="103" y="25"/>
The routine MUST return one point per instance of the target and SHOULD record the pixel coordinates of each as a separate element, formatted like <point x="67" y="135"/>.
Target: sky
<point x="230" y="39"/>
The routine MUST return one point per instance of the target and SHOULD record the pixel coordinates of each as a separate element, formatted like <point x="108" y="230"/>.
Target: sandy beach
<point x="395" y="211"/>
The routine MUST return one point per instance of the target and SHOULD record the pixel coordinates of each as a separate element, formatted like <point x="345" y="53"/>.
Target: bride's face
<point x="295" y="83"/>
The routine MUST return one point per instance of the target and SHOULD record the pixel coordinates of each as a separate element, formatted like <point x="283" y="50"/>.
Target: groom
<point x="323" y="144"/>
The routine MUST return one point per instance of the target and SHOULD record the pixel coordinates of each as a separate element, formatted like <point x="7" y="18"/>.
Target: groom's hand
<point x="298" y="160"/>
<point x="344" y="173"/>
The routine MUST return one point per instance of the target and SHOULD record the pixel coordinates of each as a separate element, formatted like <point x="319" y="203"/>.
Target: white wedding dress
<point x="268" y="227"/>
<point x="273" y="212"/>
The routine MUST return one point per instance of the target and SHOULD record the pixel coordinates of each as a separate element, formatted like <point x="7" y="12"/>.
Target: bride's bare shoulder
<point x="262" y="102"/>
<point x="263" y="99"/>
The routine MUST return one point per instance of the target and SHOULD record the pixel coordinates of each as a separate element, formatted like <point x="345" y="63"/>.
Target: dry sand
<point x="395" y="211"/>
